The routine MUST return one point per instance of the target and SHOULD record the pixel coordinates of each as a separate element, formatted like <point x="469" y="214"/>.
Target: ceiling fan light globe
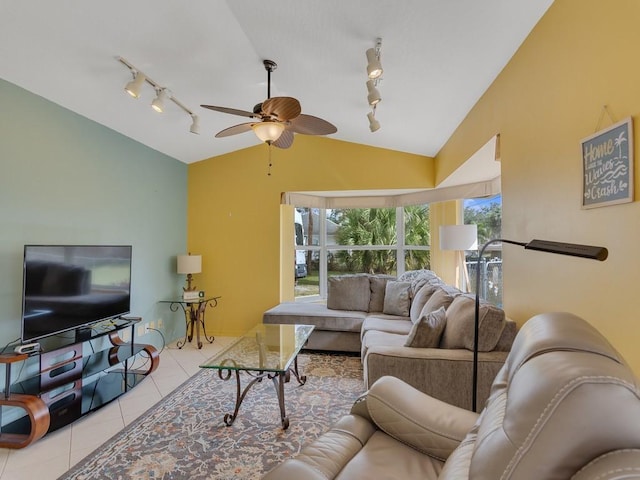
<point x="374" y="67"/>
<point x="268" y="131"/>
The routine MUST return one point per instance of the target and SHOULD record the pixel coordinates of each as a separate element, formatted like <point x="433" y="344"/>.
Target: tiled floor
<point x="54" y="454"/>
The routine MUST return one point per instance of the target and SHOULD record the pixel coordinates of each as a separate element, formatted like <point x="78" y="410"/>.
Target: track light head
<point x="195" y="125"/>
<point x="374" y="125"/>
<point x="374" y="95"/>
<point x="134" y="86"/>
<point x="374" y="67"/>
<point x="158" y="102"/>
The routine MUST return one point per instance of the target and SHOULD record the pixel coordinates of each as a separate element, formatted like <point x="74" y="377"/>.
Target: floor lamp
<point x="571" y="249"/>
<point x="460" y="238"/>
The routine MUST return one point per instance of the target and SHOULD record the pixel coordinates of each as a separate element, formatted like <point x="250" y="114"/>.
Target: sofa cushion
<point x="419" y="300"/>
<point x="376" y="338"/>
<point x="377" y="285"/>
<point x="348" y="292"/>
<point x="397" y="298"/>
<point x="315" y="314"/>
<point x="459" y="330"/>
<point x="386" y="323"/>
<point x="442" y="297"/>
<point x="426" y="332"/>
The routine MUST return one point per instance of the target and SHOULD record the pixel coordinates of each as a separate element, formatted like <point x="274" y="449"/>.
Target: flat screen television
<point x="66" y="287"/>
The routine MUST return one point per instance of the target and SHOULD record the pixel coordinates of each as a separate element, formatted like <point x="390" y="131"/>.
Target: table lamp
<point x="460" y="238"/>
<point x="188" y="265"/>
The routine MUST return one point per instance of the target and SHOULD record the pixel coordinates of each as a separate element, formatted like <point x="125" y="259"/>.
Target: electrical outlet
<point x="141" y="330"/>
<point x="160" y="323"/>
<point x="150" y="326"/>
<point x="125" y="335"/>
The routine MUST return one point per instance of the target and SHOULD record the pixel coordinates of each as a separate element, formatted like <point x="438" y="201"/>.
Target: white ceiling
<point x="439" y="56"/>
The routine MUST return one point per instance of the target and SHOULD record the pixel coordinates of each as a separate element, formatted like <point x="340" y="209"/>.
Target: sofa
<point x="414" y="327"/>
<point x="565" y="405"/>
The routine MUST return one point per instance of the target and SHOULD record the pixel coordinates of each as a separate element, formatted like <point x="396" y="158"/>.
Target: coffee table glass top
<point x="264" y="348"/>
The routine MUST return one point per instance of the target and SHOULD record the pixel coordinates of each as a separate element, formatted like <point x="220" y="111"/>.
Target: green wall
<point x="65" y="179"/>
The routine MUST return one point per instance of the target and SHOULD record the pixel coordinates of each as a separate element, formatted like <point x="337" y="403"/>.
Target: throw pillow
<point x="459" y="330"/>
<point x="348" y="292"/>
<point x="378" y="285"/>
<point x="442" y="297"/>
<point x="426" y="332"/>
<point x="397" y="299"/>
<point x="419" y="300"/>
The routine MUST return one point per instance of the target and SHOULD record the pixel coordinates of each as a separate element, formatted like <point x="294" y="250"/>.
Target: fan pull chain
<point x="270" y="163"/>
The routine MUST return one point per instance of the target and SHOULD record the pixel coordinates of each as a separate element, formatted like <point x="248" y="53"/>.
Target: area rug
<point x="184" y="437"/>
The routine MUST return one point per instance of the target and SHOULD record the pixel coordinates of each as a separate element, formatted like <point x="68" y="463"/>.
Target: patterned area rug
<point x="184" y="437"/>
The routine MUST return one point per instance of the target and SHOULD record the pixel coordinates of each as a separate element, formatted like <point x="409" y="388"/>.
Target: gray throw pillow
<point x="397" y="299"/>
<point x="348" y="292"/>
<point x="426" y="332"/>
<point x="378" y="284"/>
<point x="442" y="297"/>
<point x="459" y="331"/>
<point x="419" y="300"/>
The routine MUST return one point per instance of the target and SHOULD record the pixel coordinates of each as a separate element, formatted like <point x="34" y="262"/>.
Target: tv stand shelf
<point x="71" y="382"/>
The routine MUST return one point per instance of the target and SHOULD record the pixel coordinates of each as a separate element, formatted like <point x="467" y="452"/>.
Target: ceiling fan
<point x="278" y="118"/>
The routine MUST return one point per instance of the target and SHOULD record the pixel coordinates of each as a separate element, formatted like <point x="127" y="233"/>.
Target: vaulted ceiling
<point x="439" y="56"/>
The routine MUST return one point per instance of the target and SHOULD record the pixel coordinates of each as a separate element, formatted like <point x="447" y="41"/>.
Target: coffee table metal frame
<point x="229" y="366"/>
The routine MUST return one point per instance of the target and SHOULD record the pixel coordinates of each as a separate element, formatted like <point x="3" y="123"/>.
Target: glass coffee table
<point x="265" y="351"/>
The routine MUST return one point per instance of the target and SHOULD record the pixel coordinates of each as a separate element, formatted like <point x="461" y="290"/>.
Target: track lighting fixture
<point x="158" y="102"/>
<point x="374" y="67"/>
<point x="195" y="124"/>
<point x="134" y="87"/>
<point x="374" y="95"/>
<point x="374" y="125"/>
<point x="374" y="72"/>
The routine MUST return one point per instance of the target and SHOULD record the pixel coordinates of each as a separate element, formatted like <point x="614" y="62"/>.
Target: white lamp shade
<point x="374" y="95"/>
<point x="189" y="264"/>
<point x="374" y="125"/>
<point x="268" y="131"/>
<point x="458" y="237"/>
<point x="134" y="86"/>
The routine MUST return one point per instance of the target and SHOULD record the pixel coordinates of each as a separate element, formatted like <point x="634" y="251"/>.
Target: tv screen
<point x="69" y="286"/>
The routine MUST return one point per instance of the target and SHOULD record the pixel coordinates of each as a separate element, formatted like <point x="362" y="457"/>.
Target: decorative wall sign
<point x="607" y="166"/>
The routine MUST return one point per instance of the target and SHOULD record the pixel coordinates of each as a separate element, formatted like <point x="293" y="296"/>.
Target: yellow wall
<point x="581" y="56"/>
<point x="234" y="214"/>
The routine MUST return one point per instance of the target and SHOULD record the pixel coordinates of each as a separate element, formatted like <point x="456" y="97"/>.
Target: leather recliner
<point x="564" y="406"/>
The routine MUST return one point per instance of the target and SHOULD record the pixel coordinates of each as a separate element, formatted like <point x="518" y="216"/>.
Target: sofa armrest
<point x="424" y="423"/>
<point x="326" y="456"/>
<point x="442" y="373"/>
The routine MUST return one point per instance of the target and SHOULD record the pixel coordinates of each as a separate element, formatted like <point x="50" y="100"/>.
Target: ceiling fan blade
<point x="285" y="140"/>
<point x="236" y="129"/>
<point x="310" y="125"/>
<point x="232" y="111"/>
<point x="281" y="108"/>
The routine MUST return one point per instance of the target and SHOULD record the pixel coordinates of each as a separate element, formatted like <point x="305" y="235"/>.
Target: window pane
<point x="362" y="261"/>
<point x="310" y="284"/>
<point x="365" y="226"/>
<point x="416" y="225"/>
<point x="417" y="260"/>
<point x="486" y="213"/>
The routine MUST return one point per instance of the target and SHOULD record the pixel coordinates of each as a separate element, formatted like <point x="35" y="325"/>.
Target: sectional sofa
<point x="414" y="327"/>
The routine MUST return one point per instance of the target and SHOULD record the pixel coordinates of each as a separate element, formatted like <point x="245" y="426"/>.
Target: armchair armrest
<point x="424" y="423"/>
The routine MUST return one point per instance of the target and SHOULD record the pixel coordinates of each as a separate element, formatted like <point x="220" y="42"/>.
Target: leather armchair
<point x="564" y="406"/>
